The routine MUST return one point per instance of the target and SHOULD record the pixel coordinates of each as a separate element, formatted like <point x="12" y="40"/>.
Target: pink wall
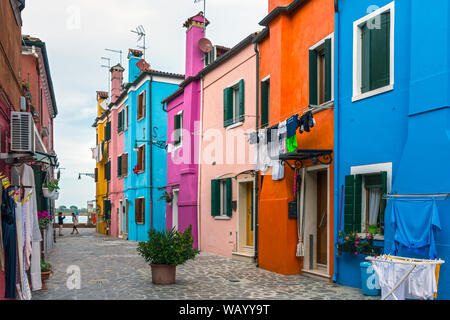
<point x="116" y="149"/>
<point x="219" y="236"/>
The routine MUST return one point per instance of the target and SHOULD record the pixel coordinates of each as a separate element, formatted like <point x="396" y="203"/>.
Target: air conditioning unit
<point x="23" y="103"/>
<point x="22" y="132"/>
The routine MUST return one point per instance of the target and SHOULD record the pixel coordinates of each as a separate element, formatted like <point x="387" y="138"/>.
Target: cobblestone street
<point x="111" y="269"/>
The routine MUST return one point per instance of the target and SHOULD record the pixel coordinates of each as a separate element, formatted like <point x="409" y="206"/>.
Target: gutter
<point x="150" y="134"/>
<point x="257" y="155"/>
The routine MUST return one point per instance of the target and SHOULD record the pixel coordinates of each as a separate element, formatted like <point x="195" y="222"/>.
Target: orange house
<point x="295" y="233"/>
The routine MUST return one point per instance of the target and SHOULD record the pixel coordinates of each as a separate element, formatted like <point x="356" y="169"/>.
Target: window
<point x="178" y="129"/>
<point x="125" y="165"/>
<point x="321" y="72"/>
<point x="141" y="158"/>
<point x="120" y="121"/>
<point x="106" y="209"/>
<point x="126" y="117"/>
<point x="364" y="203"/>
<point x="374" y="53"/>
<point x="119" y="166"/>
<point x="221" y="197"/>
<point x="265" y="102"/>
<point x="108" y="131"/>
<point x="141" y="106"/>
<point x="234" y="104"/>
<point x="108" y="171"/>
<point x="96" y="174"/>
<point x="140" y="211"/>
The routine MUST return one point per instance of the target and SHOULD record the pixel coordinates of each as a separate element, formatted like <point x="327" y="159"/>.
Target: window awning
<point x="322" y="156"/>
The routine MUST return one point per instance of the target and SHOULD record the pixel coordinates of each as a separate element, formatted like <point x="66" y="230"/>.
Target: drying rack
<point x="435" y="196"/>
<point x="401" y="260"/>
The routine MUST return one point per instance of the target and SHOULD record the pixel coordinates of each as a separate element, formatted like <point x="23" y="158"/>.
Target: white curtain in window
<point x="374" y="205"/>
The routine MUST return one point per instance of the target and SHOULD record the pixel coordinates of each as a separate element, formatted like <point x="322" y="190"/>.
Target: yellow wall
<point x="101" y="185"/>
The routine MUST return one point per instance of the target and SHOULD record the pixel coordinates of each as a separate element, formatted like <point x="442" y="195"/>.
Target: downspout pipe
<point x="150" y="133"/>
<point x="337" y="191"/>
<point x="257" y="155"/>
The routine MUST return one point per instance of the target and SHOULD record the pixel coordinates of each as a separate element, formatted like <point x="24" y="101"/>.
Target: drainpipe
<point x="337" y="198"/>
<point x="150" y="133"/>
<point x="257" y="155"/>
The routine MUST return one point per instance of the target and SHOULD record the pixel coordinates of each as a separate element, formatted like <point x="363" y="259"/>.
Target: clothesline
<point x="402" y="260"/>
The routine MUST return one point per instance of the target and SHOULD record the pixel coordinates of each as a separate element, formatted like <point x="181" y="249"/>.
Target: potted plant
<point x="50" y="189"/>
<point x="44" y="219"/>
<point x="165" y="250"/>
<point x="46" y="270"/>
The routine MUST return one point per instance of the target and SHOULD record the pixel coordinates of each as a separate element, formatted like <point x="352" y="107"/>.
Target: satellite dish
<point x="143" y="65"/>
<point x="205" y="45"/>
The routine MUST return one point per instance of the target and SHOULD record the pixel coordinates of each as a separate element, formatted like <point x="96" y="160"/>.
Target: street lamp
<point x="86" y="174"/>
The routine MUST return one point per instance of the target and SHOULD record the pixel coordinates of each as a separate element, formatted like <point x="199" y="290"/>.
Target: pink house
<point x="183" y="110"/>
<point x="117" y="158"/>
<point x="227" y="176"/>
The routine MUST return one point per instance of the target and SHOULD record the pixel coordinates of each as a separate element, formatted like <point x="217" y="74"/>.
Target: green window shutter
<point x="229" y="192"/>
<point x="119" y="166"/>
<point x="353" y="203"/>
<point x="227" y="107"/>
<point x="108" y="131"/>
<point x="241" y="101"/>
<point x="265" y="87"/>
<point x="365" y="59"/>
<point x="215" y="198"/>
<point x="328" y="69"/>
<point x="380" y="53"/>
<point x="313" y="91"/>
<point x="108" y="171"/>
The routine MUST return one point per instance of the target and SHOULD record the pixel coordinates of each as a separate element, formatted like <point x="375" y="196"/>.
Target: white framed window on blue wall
<point x="373" y="53"/>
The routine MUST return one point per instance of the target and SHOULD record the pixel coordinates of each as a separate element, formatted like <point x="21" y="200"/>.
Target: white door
<point x="175" y="210"/>
<point x="120" y="219"/>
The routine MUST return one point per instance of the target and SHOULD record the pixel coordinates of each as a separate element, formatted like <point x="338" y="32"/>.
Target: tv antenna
<point x="140" y="31"/>
<point x="109" y="74"/>
<point x="116" y="51"/>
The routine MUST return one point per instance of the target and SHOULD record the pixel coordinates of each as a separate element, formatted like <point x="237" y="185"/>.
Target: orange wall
<point x="285" y="57"/>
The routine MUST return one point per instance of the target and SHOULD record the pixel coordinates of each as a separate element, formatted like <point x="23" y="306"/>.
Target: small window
<point x="125" y="165"/>
<point x="96" y="174"/>
<point x="108" y="171"/>
<point x="108" y="131"/>
<point x="374" y="61"/>
<point x="141" y="158"/>
<point x="321" y="73"/>
<point x="140" y="210"/>
<point x="234" y="104"/>
<point x="178" y="129"/>
<point x="126" y="117"/>
<point x="265" y="103"/>
<point x="120" y="121"/>
<point x="221" y="197"/>
<point x="119" y="166"/>
<point x="141" y="106"/>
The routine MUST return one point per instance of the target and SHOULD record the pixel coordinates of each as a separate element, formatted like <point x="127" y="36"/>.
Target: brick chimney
<point x="134" y="56"/>
<point x="116" y="81"/>
<point x="194" y="32"/>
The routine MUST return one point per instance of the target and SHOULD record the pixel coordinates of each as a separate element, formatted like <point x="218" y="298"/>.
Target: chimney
<point x="134" y="56"/>
<point x="101" y="97"/>
<point x="194" y="56"/>
<point x="116" y="81"/>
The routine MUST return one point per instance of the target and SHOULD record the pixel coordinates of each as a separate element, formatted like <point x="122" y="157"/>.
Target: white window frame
<point x="236" y="123"/>
<point x="223" y="197"/>
<point x="357" y="56"/>
<point x="319" y="46"/>
<point x="125" y="123"/>
<point x="372" y="169"/>
<point x="267" y="79"/>
<point x="179" y="145"/>
<point x="144" y="107"/>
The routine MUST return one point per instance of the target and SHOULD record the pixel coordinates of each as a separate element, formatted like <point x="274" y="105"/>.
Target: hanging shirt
<point x="9" y="243"/>
<point x="415" y="223"/>
<point x="274" y="153"/>
<point x="264" y="161"/>
<point x="291" y="138"/>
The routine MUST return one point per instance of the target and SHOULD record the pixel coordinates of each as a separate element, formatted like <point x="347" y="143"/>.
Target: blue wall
<point x="408" y="126"/>
<point x="138" y="185"/>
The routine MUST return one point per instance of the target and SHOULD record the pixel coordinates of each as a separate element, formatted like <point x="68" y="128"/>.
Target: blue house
<point x="144" y="143"/>
<point x="392" y="122"/>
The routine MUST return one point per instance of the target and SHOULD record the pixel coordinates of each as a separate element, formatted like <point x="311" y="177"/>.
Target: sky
<point x="77" y="32"/>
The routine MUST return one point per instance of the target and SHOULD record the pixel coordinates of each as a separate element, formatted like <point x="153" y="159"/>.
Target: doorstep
<point x="245" y="257"/>
<point x="320" y="274"/>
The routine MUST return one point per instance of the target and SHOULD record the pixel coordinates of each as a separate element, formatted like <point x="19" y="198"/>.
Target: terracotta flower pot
<point x="163" y="273"/>
<point x="44" y="277"/>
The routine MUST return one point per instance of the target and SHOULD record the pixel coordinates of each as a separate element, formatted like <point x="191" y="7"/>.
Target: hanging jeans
<point x="9" y="244"/>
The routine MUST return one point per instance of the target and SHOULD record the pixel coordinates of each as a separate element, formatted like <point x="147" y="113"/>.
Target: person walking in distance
<point x="60" y="223"/>
<point x="75" y="223"/>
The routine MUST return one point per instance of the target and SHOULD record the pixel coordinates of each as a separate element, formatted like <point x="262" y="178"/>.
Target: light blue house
<point x="392" y="122"/>
<point x="144" y="144"/>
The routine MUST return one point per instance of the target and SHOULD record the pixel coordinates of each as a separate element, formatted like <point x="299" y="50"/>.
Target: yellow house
<point x="103" y="169"/>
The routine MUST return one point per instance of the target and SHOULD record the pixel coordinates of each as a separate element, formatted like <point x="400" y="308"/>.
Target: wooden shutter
<point x="380" y="53"/>
<point x="229" y="193"/>
<point x="108" y="171"/>
<point x="265" y="87"/>
<point x="141" y="158"/>
<point x="365" y="58"/>
<point x="141" y="106"/>
<point x="313" y="90"/>
<point x="119" y="166"/>
<point x="96" y="174"/>
<point x="140" y="210"/>
<point x="124" y="164"/>
<point x="215" y="198"/>
<point x="241" y="100"/>
<point x="227" y="106"/>
<point x="108" y="131"/>
<point x="353" y="203"/>
<point x="107" y="209"/>
<point x="328" y="70"/>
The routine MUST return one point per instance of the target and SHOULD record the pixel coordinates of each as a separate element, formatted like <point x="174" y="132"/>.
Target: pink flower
<point x="347" y="237"/>
<point x="356" y="252"/>
<point x="356" y="237"/>
<point x="370" y="237"/>
<point x="357" y="242"/>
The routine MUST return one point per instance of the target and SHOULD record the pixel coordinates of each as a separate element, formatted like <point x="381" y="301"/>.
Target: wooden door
<point x="249" y="215"/>
<point x="322" y="217"/>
